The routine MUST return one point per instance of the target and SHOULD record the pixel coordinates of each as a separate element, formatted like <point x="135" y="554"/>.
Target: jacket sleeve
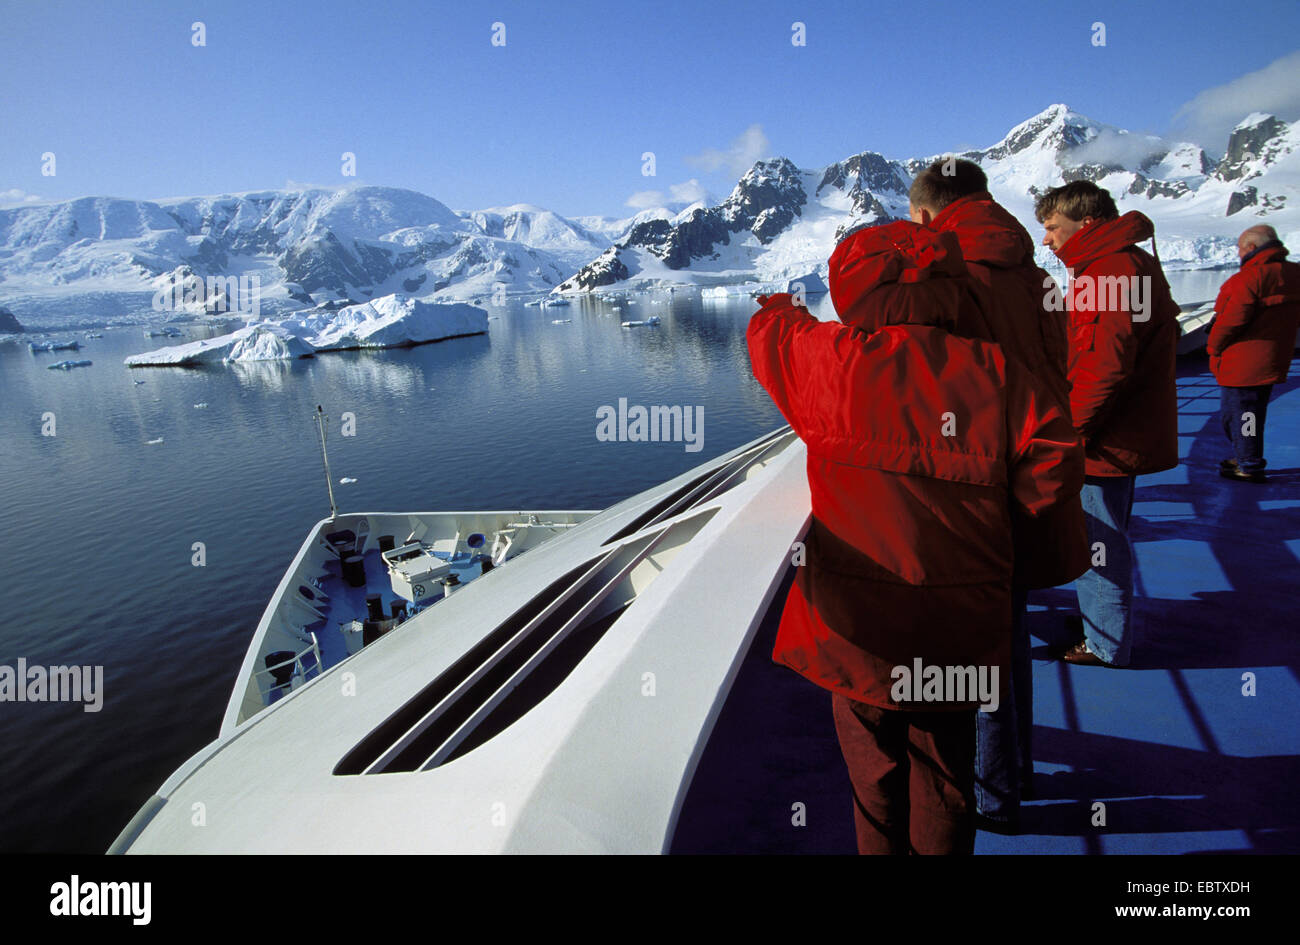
<point x="1106" y="349"/>
<point x="787" y="349"/>
<point x="1046" y="470"/>
<point x="1234" y="308"/>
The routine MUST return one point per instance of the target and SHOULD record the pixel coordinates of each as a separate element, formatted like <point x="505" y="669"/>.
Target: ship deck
<point x="1182" y="759"/>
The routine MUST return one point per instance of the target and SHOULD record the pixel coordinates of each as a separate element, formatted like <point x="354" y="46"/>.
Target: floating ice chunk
<point x="346" y="480"/>
<point x="389" y="322"/>
<point x="153" y="442"/>
<point x="392" y="321"/>
<point x="68" y="365"/>
<point x="266" y="341"/>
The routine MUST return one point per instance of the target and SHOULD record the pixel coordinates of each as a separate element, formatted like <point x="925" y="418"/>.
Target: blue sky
<point x="561" y="114"/>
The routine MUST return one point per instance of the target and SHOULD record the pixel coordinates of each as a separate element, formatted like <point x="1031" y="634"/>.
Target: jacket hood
<point x="1105" y="237"/>
<point x="899" y="273"/>
<point x="987" y="232"/>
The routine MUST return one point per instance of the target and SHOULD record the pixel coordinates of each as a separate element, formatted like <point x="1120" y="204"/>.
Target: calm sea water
<point x="100" y="525"/>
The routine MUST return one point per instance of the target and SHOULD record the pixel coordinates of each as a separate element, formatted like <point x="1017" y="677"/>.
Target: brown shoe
<point x="1080" y="655"/>
<point x="1236" y="472"/>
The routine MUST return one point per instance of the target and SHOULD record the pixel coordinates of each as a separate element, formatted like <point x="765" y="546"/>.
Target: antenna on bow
<point x="329" y="482"/>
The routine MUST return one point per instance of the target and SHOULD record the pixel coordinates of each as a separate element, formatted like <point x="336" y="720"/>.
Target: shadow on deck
<point x="1181" y="758"/>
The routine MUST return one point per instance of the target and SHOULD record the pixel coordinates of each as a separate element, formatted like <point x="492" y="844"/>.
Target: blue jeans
<point x="1106" y="590"/>
<point x="1247" y="448"/>
<point x="1003" y="752"/>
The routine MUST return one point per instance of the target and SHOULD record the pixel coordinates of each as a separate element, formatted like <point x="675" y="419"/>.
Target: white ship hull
<point x="558" y="703"/>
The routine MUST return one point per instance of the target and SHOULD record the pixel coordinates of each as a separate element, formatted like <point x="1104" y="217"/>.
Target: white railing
<point x="299" y="674"/>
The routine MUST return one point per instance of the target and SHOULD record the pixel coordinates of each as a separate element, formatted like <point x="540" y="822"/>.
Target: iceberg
<point x="812" y="283"/>
<point x="265" y="341"/>
<point x="392" y="321"/>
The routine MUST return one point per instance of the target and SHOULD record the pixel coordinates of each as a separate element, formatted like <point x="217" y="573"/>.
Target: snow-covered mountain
<point x="114" y="257"/>
<point x="100" y="258"/>
<point x="781" y="221"/>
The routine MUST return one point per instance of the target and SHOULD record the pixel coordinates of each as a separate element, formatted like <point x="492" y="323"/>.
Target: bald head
<point x="1254" y="238"/>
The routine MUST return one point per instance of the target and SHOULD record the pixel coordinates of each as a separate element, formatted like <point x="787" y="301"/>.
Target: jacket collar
<point x="1104" y="237"/>
<point x="1272" y="251"/>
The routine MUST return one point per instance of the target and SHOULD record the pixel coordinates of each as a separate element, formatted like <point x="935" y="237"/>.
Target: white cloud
<point x="16" y="196"/>
<point x="688" y="192"/>
<point x="1209" y="118"/>
<point x="1126" y="150"/>
<point x="646" y="199"/>
<point x="749" y="146"/>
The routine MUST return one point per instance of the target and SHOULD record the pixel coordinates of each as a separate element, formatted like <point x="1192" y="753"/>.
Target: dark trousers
<point x="1004" y="754"/>
<point x="913" y="776"/>
<point x="1242" y="415"/>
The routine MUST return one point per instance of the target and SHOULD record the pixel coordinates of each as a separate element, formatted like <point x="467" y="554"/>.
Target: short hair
<point x="934" y="189"/>
<point x="1076" y="200"/>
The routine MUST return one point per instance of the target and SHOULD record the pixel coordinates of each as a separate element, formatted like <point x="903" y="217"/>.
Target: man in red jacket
<point x="1123" y="393"/>
<point x="1252" y="341"/>
<point x="920" y="442"/>
<point x="951" y="195"/>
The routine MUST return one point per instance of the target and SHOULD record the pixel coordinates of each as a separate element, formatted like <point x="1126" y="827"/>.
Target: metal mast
<point x="329" y="482"/>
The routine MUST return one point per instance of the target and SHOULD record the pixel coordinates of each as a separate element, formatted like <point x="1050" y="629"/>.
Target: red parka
<point x="1257" y="315"/>
<point x="919" y="443"/>
<point x="999" y="254"/>
<point x="1123" y="392"/>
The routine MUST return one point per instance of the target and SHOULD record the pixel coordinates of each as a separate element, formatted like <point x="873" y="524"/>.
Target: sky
<point x="558" y="103"/>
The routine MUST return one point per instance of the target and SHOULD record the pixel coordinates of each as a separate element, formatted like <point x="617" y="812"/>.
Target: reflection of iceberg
<point x="389" y="322"/>
<point x="724" y="292"/>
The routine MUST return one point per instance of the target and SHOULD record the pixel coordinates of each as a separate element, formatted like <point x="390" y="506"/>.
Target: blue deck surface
<point x="1183" y="761"/>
